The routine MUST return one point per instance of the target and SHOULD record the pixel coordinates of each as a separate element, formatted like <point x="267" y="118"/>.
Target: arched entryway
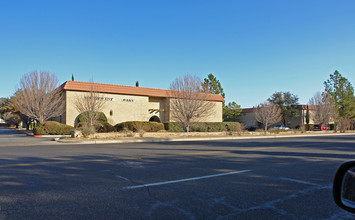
<point x="155" y="119"/>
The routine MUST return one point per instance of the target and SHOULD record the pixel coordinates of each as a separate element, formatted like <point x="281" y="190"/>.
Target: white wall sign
<point x="127" y="100"/>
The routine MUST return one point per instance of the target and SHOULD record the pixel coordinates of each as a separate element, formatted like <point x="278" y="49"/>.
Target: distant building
<point x="129" y="103"/>
<point x="247" y="117"/>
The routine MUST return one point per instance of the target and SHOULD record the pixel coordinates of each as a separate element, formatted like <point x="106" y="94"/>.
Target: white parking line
<point x="297" y="181"/>
<point x="121" y="177"/>
<point x="184" y="180"/>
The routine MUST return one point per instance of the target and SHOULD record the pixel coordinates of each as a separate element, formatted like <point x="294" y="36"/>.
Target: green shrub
<point x="39" y="130"/>
<point x="79" y="125"/>
<point x="101" y="127"/>
<point x="86" y="129"/>
<point x="104" y="127"/>
<point x="52" y="128"/>
<point x="205" y="127"/>
<point x="139" y="125"/>
<point x="173" y="127"/>
<point x="102" y="117"/>
<point x="153" y="126"/>
<point x="209" y="127"/>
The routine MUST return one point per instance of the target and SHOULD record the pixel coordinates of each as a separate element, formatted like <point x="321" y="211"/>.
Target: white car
<point x="281" y="127"/>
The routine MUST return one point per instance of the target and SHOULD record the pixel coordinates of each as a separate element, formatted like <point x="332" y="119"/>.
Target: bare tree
<point x="188" y="102"/>
<point x="324" y="108"/>
<point x="344" y="124"/>
<point x="90" y="105"/>
<point x="268" y="114"/>
<point x="39" y="97"/>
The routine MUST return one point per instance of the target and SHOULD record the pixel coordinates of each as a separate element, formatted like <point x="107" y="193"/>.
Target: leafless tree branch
<point x="268" y="114"/>
<point x="38" y="96"/>
<point x="324" y="109"/>
<point x="90" y="105"/>
<point x="188" y="102"/>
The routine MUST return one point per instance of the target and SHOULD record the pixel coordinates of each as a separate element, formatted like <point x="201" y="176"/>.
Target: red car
<point x="320" y="128"/>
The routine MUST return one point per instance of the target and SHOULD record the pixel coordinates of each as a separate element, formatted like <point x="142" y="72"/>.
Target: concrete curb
<point x="158" y="140"/>
<point x="52" y="136"/>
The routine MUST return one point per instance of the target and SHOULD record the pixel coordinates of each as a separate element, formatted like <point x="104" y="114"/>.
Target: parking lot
<point x="279" y="178"/>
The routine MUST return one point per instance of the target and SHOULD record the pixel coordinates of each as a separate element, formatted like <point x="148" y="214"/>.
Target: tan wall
<point x="123" y="107"/>
<point x="215" y="113"/>
<point x="157" y="104"/>
<point x="132" y="108"/>
<point x="248" y="118"/>
<point x="218" y="113"/>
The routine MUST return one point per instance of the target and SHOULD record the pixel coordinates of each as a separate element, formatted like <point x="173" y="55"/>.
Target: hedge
<point x="104" y="127"/>
<point x="102" y="117"/>
<point x="101" y="127"/>
<point x="52" y="128"/>
<point x="173" y="127"/>
<point x="205" y="126"/>
<point x="137" y="125"/>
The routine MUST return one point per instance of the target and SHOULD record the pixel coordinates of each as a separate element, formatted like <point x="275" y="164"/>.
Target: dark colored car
<point x="250" y="128"/>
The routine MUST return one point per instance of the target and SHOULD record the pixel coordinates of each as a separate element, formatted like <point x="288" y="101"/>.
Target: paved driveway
<point x="286" y="178"/>
<point x="11" y="137"/>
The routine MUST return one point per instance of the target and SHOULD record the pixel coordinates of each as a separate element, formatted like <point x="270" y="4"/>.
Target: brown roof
<point x="126" y="90"/>
<point x="304" y="107"/>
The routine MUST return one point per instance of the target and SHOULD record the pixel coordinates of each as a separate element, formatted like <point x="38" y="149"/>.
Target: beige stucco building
<point x="247" y="117"/>
<point x="128" y="103"/>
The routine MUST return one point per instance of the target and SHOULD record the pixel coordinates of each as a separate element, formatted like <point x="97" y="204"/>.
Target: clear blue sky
<point x="254" y="48"/>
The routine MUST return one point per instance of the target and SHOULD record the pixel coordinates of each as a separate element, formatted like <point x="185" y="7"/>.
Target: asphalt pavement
<point x="284" y="178"/>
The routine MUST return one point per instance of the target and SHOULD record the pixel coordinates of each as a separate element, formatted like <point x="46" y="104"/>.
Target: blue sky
<point x="254" y="48"/>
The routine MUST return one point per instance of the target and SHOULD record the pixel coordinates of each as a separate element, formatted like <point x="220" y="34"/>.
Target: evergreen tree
<point x="4" y="106"/>
<point x="212" y="85"/>
<point x="231" y="112"/>
<point x="341" y="93"/>
<point x="287" y="102"/>
<point x="307" y="115"/>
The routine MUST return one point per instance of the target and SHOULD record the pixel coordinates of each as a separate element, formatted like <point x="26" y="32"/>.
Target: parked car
<point x="281" y="127"/>
<point x="344" y="186"/>
<point x="250" y="128"/>
<point x="320" y="128"/>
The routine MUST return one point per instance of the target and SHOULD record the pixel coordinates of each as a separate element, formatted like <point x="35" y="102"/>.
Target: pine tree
<point x="212" y="85"/>
<point x="341" y="93"/>
<point x="287" y="102"/>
